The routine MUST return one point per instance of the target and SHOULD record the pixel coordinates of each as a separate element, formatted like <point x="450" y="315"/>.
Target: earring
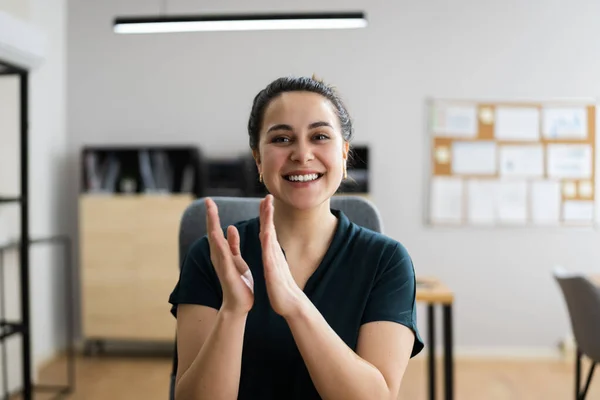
<point x="345" y="172"/>
<point x="260" y="178"/>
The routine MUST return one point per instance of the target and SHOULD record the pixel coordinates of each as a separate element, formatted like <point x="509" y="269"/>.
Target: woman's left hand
<point x="284" y="294"/>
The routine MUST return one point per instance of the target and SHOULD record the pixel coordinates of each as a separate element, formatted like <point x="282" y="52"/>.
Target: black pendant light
<point x="239" y="22"/>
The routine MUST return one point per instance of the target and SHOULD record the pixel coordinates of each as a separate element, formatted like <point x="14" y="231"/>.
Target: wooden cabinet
<point x="129" y="265"/>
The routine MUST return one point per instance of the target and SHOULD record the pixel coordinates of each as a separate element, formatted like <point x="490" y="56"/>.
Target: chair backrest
<point x="234" y="209"/>
<point x="582" y="298"/>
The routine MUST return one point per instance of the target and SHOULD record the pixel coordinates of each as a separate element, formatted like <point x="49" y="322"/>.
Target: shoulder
<point x="379" y="246"/>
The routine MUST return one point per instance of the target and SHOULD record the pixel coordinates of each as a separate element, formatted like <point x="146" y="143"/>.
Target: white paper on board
<point x="454" y="121"/>
<point x="564" y="122"/>
<point x="569" y="161"/>
<point x="481" y="204"/>
<point x="446" y="200"/>
<point x="545" y="202"/>
<point x="517" y="123"/>
<point x="474" y="158"/>
<point x="578" y="211"/>
<point x="511" y="198"/>
<point x="521" y="161"/>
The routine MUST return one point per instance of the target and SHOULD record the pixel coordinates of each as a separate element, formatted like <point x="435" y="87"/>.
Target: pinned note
<point x="474" y="158"/>
<point x="481" y="202"/>
<point x="545" y="202"/>
<point x="517" y="123"/>
<point x="569" y="161"/>
<point x="522" y="161"/>
<point x="511" y="198"/>
<point x="447" y="200"/>
<point x="564" y="123"/>
<point x="578" y="211"/>
<point x="454" y="120"/>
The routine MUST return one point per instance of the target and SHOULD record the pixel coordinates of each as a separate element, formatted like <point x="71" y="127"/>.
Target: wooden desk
<point x="432" y="291"/>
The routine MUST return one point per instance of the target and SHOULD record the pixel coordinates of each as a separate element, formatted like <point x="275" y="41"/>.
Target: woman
<point x="298" y="303"/>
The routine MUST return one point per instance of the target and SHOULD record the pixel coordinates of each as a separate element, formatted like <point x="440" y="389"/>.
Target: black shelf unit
<point x="22" y="245"/>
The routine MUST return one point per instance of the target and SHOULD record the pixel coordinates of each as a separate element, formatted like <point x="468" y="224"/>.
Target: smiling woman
<point x="301" y="154"/>
<point x="300" y="302"/>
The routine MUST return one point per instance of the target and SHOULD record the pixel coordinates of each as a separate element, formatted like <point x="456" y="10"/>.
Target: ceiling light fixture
<point x="239" y="22"/>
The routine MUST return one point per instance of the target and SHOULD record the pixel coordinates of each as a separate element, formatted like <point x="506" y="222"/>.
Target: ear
<point x="256" y="156"/>
<point x="345" y="150"/>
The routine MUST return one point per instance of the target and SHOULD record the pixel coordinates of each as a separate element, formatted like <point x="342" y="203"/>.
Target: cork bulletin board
<point x="512" y="163"/>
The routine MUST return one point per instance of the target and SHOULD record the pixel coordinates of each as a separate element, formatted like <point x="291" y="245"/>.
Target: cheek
<point x="332" y="157"/>
<point x="273" y="157"/>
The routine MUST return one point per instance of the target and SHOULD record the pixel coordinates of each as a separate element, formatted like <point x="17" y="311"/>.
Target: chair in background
<point x="233" y="209"/>
<point x="582" y="298"/>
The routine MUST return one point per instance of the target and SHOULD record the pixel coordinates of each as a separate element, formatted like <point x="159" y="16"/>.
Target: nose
<point x="302" y="152"/>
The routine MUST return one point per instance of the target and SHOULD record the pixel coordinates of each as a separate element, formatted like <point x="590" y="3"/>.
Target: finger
<point x="208" y="203"/>
<point x="213" y="225"/>
<point x="262" y="215"/>
<point x="214" y="232"/>
<point x="270" y="212"/>
<point x="233" y="238"/>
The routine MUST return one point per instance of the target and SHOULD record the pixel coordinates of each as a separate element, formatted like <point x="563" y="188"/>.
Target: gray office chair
<point x="582" y="298"/>
<point x="233" y="209"/>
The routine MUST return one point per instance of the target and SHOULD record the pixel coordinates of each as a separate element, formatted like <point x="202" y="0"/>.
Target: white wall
<point x="47" y="152"/>
<point x="198" y="88"/>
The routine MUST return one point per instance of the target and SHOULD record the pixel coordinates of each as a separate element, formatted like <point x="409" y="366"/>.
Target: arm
<point x="383" y="349"/>
<point x="209" y="341"/>
<point x="209" y="347"/>
<point x="373" y="372"/>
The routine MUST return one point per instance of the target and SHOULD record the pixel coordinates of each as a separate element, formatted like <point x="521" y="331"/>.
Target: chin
<point x="305" y="201"/>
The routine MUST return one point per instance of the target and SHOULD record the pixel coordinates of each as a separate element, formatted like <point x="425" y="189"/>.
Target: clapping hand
<point x="284" y="294"/>
<point x="233" y="272"/>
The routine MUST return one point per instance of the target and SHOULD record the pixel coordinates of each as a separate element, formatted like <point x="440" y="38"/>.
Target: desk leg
<point x="448" y="356"/>
<point x="431" y="334"/>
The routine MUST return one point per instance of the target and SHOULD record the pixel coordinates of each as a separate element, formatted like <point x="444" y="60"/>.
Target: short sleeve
<point x="393" y="296"/>
<point x="198" y="282"/>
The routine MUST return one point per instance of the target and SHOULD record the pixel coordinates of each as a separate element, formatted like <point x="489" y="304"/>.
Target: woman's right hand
<point x="233" y="272"/>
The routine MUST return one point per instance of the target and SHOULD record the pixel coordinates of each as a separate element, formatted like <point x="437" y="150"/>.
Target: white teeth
<point x="303" y="178"/>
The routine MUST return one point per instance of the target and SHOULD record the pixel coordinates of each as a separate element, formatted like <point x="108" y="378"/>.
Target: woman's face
<point x="301" y="153"/>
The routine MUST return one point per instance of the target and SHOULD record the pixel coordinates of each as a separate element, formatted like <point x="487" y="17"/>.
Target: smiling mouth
<point x="303" y="178"/>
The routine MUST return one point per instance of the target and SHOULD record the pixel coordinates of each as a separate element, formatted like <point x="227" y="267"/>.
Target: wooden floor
<point x="109" y="377"/>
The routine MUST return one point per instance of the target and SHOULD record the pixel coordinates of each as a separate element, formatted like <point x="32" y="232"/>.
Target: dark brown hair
<point x="295" y="84"/>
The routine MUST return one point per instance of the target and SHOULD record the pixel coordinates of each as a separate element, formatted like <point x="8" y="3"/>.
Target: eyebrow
<point x="285" y="127"/>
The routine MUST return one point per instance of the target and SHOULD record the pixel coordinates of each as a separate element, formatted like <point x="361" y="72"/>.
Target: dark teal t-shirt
<point x="364" y="276"/>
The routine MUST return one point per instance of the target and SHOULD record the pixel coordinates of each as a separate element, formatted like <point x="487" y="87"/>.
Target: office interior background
<point x="512" y="337"/>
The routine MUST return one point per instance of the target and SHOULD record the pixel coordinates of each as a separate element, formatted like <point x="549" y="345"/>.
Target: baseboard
<point x="42" y="363"/>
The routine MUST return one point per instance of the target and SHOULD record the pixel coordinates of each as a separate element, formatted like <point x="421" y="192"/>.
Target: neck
<point x="303" y="227"/>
